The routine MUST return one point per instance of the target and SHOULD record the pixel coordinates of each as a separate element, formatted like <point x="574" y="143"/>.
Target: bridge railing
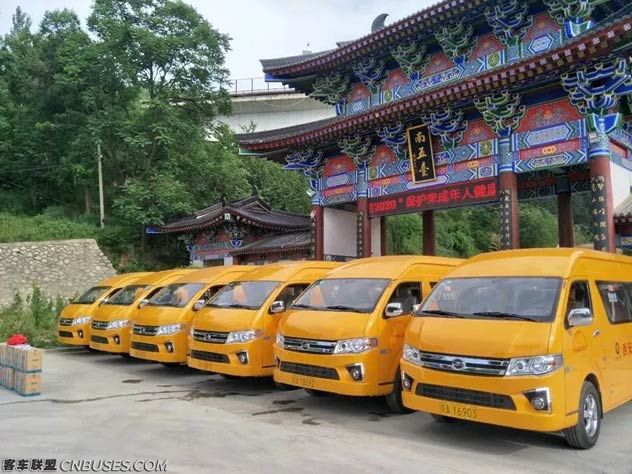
<point x="256" y="84"/>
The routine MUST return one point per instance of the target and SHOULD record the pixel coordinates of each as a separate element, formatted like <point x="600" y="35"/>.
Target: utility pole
<point x="101" y="205"/>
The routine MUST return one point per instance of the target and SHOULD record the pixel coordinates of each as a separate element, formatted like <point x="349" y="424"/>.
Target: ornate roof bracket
<point x="448" y="125"/>
<point x="331" y="88"/>
<point x="502" y="112"/>
<point x="457" y="41"/>
<point x="572" y="15"/>
<point x="359" y="148"/>
<point x="370" y="71"/>
<point x="411" y="57"/>
<point x="308" y="161"/>
<point x="394" y="137"/>
<point x="510" y="21"/>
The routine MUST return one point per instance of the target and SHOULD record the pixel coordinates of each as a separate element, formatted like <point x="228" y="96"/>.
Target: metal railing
<point x="256" y="84"/>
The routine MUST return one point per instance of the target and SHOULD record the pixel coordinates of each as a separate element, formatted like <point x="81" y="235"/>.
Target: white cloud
<point x="262" y="28"/>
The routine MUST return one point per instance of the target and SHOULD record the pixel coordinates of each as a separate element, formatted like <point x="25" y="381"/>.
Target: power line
<point x="38" y="193"/>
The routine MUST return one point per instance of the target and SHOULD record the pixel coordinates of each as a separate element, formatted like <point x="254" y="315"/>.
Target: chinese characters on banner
<point x="470" y="192"/>
<point x="420" y="152"/>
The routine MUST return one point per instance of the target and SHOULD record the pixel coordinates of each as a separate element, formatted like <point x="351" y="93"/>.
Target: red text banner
<point x="453" y="195"/>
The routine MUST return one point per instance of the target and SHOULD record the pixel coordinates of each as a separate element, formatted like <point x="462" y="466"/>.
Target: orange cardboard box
<point x="28" y="384"/>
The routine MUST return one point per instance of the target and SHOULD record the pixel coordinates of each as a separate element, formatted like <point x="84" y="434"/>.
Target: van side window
<point x="615" y="297"/>
<point x="211" y="292"/>
<point x="578" y="296"/>
<point x="290" y="293"/>
<point x="408" y="294"/>
<point x="433" y="284"/>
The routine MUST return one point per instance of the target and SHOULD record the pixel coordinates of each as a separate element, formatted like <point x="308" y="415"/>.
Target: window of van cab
<point x="91" y="295"/>
<point x="523" y="298"/>
<point x="617" y="300"/>
<point x="408" y="295"/>
<point x="177" y="295"/>
<point x="290" y="293"/>
<point x="126" y="296"/>
<point x="358" y="295"/>
<point x="243" y="294"/>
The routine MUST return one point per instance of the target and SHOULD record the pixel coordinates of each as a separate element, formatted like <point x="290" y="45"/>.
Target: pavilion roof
<point x="253" y="211"/>
<point x="596" y="42"/>
<point x="623" y="212"/>
<point x="277" y="243"/>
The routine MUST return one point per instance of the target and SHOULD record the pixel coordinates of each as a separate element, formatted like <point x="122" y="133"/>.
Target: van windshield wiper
<point x="501" y="315"/>
<point x="232" y="305"/>
<point x="440" y="312"/>
<point x="342" y="307"/>
<point x="303" y="306"/>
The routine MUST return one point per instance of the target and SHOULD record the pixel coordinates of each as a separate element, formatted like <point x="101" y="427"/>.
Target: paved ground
<point x="99" y="406"/>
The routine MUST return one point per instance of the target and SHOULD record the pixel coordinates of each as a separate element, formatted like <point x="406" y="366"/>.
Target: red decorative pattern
<point x="383" y="154"/>
<point x="486" y="45"/>
<point x="438" y="63"/>
<point x="395" y="78"/>
<point x="452" y="195"/>
<point x="338" y="165"/>
<point x="349" y="189"/>
<point x="548" y="114"/>
<point x="359" y="92"/>
<point x="543" y="24"/>
<point x="477" y="131"/>
<point x="553" y="149"/>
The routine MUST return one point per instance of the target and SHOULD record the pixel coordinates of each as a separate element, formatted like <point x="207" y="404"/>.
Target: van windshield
<point x="243" y="294"/>
<point x="91" y="295"/>
<point x="517" y="298"/>
<point x="176" y="296"/>
<point x="127" y="295"/>
<point x="359" y="295"/>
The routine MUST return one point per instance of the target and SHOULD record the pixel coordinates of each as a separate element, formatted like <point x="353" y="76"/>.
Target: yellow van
<point x="73" y="327"/>
<point x="537" y="339"/>
<point x="233" y="335"/>
<point x="345" y="333"/>
<point x="111" y="322"/>
<point x="160" y="328"/>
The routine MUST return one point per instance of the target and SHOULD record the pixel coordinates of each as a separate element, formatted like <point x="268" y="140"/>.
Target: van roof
<point x="122" y="279"/>
<point x="163" y="277"/>
<point x="210" y="274"/>
<point x="388" y="266"/>
<point x="529" y="262"/>
<point x="284" y="271"/>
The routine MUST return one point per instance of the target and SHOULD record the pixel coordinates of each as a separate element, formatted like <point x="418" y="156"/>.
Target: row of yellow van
<point x="537" y="339"/>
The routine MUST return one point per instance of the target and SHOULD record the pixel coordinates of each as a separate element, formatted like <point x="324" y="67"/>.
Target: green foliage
<point x="16" y="228"/>
<point x="34" y="316"/>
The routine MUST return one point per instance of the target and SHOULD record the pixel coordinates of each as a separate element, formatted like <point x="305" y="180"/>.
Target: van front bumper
<point x="330" y="372"/>
<point x="156" y="348"/>
<point x="477" y="393"/>
<point x="74" y="335"/>
<point x="224" y="358"/>
<point x="115" y="341"/>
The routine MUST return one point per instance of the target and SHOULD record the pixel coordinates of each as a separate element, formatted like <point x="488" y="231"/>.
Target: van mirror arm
<point x="579" y="317"/>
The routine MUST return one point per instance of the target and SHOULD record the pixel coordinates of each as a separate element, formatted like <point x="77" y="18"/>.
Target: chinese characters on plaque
<point x="420" y="152"/>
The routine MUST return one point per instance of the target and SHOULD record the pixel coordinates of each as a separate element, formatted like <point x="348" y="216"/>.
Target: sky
<point x="261" y="28"/>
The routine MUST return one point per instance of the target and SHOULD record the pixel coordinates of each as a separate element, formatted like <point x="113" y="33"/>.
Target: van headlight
<point x="81" y="320"/>
<point x="537" y="365"/>
<point x="280" y="340"/>
<point x="243" y="336"/>
<point x="412" y="354"/>
<point x="354" y="346"/>
<point x="170" y="329"/>
<point x="118" y="323"/>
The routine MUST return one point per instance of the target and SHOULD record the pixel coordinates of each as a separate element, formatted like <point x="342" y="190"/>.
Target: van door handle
<point x="596" y="333"/>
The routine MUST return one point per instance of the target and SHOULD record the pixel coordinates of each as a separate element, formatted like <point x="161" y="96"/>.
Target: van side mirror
<point x="416" y="307"/>
<point x="199" y="304"/>
<point x="103" y="301"/>
<point x="579" y="317"/>
<point x="143" y="303"/>
<point x="394" y="309"/>
<point x="277" y="307"/>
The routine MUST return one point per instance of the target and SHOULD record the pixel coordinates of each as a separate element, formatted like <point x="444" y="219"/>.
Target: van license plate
<point x="458" y="411"/>
<point x="141" y="354"/>
<point x="306" y="382"/>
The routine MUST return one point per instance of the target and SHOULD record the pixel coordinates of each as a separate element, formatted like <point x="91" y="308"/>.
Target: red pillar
<point x="383" y="236"/>
<point x="602" y="209"/>
<point x="565" y="219"/>
<point x="509" y="214"/>
<point x="318" y="232"/>
<point x="364" y="228"/>
<point x="429" y="233"/>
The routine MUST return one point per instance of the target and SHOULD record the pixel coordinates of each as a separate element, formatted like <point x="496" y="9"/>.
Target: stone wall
<point x="57" y="267"/>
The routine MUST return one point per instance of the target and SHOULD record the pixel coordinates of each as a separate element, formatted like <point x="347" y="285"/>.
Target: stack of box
<point x="21" y="369"/>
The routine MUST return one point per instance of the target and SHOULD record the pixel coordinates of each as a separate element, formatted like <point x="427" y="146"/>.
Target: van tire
<point x="316" y="393"/>
<point x="394" y="399"/>
<point x="171" y="364"/>
<point x="442" y="418"/>
<point x="585" y="433"/>
<point x="228" y="376"/>
<point x="284" y="387"/>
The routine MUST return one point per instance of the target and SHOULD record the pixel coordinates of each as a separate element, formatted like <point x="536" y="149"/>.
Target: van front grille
<point x="65" y="334"/>
<point x="99" y="339"/>
<point x="100" y="324"/>
<point x="145" y="330"/>
<point x="210" y="356"/>
<point x="65" y="321"/>
<point x="310" y="370"/>
<point x="141" y="346"/>
<point x="213" y="337"/>
<point x="466" y="396"/>
<point x="464" y="364"/>
<point x="309" y="345"/>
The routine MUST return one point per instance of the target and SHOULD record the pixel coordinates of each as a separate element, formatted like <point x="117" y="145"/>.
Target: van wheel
<point x="442" y="418"/>
<point x="316" y="393"/>
<point x="394" y="399"/>
<point x="285" y="387"/>
<point x="228" y="376"/>
<point x="171" y="364"/>
<point x="585" y="433"/>
<point x="125" y="355"/>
